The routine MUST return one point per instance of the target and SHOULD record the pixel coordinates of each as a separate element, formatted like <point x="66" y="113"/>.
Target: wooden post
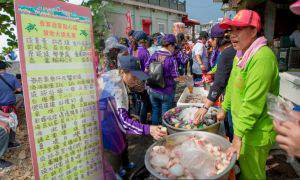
<point x="270" y="15"/>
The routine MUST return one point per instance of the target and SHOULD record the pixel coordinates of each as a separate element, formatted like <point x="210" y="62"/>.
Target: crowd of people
<point x="234" y="55"/>
<point x="139" y="76"/>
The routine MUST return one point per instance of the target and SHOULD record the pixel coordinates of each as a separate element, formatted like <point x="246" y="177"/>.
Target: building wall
<point x="159" y="19"/>
<point x="117" y="20"/>
<point x="206" y="27"/>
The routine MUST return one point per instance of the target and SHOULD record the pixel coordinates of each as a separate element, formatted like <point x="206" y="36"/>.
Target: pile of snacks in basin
<point x="194" y="97"/>
<point x="181" y="119"/>
<point x="190" y="155"/>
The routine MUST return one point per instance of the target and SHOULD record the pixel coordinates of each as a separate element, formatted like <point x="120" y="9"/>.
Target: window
<point x="161" y="27"/>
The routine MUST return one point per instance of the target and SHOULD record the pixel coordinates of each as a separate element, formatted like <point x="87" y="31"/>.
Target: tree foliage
<point x="7" y="19"/>
<point x="99" y="10"/>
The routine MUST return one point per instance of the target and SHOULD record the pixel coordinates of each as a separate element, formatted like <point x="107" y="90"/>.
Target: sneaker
<point x="13" y="145"/>
<point x="122" y="172"/>
<point x="5" y="164"/>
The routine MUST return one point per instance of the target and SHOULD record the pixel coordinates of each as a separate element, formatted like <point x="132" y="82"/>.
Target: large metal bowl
<point x="214" y="139"/>
<point x="214" y="128"/>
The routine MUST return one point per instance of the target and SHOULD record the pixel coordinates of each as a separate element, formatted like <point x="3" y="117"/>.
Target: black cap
<point x="139" y="35"/>
<point x="130" y="33"/>
<point x="132" y="64"/>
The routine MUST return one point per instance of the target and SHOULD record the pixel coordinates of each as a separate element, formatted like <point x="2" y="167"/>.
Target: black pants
<point x="125" y="157"/>
<point x="197" y="76"/>
<point x="191" y="64"/>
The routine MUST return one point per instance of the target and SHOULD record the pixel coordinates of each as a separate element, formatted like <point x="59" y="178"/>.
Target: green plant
<point x="7" y="19"/>
<point x="99" y="10"/>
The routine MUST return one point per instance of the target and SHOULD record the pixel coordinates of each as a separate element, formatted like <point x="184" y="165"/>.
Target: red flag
<point x="129" y="21"/>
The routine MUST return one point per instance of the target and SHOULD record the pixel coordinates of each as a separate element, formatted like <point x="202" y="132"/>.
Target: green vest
<point x="246" y="95"/>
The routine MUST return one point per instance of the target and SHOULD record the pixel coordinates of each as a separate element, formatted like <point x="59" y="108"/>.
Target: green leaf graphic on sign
<point x="83" y="32"/>
<point x="30" y="27"/>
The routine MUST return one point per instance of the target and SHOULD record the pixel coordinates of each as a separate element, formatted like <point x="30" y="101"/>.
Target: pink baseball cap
<point x="295" y="7"/>
<point x="243" y="18"/>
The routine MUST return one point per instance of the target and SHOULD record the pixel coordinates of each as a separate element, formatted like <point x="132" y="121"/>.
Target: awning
<point x="190" y="22"/>
<point x="146" y="21"/>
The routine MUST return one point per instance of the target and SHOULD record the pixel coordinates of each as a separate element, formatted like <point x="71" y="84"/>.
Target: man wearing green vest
<point x="253" y="76"/>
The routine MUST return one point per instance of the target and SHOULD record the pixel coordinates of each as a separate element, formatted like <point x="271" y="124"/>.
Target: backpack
<point x="156" y="73"/>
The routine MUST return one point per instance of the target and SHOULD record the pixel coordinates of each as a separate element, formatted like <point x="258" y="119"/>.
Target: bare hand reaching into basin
<point x="158" y="132"/>
<point x="221" y="115"/>
<point x="199" y="115"/>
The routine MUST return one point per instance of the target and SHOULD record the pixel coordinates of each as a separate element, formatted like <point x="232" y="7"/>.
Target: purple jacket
<point x="130" y="50"/>
<point x="131" y="126"/>
<point x="182" y="58"/>
<point x="115" y="124"/>
<point x="170" y="68"/>
<point x="114" y="117"/>
<point x="142" y="54"/>
<point x="213" y="58"/>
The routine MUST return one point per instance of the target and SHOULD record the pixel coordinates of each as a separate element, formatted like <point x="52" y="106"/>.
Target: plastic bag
<point x="278" y="108"/>
<point x="160" y="160"/>
<point x="188" y="114"/>
<point x="196" y="159"/>
<point x="12" y="120"/>
<point x="111" y="85"/>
